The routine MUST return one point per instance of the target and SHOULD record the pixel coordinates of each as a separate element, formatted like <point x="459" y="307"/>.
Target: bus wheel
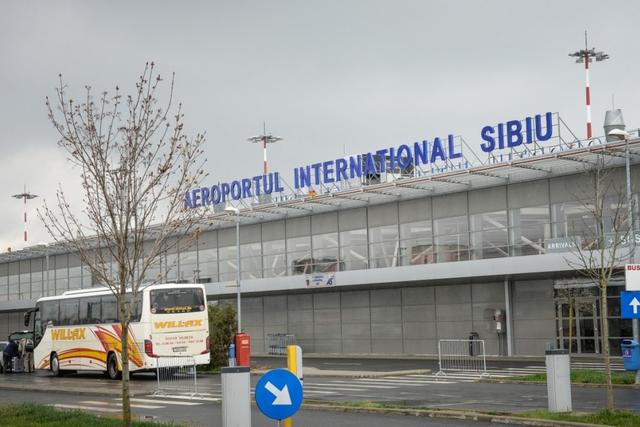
<point x="55" y="365"/>
<point x="112" y="367"/>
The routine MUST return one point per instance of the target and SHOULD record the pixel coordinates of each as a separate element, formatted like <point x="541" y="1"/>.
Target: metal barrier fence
<point x="278" y="342"/>
<point x="466" y="356"/>
<point x="176" y="375"/>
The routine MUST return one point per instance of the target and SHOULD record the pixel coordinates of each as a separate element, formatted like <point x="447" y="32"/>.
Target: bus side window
<point x="69" y="312"/>
<point x="50" y="315"/>
<point x="90" y="310"/>
<point x="109" y="309"/>
<point x="136" y="311"/>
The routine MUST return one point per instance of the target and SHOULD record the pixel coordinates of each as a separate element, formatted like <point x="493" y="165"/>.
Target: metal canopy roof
<point x="515" y="166"/>
<point x="511" y="168"/>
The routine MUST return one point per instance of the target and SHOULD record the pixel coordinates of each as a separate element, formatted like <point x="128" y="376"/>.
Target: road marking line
<point x="404" y="383"/>
<point x="178" y="397"/>
<point x="170" y="402"/>
<point x="336" y="389"/>
<point x="133" y="405"/>
<point x="86" y="408"/>
<point x="350" y="384"/>
<point x="344" y="384"/>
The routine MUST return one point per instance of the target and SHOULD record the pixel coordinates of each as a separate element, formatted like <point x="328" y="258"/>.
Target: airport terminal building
<point x="391" y="260"/>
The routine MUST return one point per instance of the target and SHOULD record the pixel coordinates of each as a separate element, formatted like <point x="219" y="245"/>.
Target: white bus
<point x="79" y="330"/>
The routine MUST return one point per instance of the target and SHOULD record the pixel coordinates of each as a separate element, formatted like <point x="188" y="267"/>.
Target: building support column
<point x="508" y="311"/>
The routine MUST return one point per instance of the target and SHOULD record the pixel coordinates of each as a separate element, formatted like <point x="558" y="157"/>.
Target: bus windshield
<point x="183" y="300"/>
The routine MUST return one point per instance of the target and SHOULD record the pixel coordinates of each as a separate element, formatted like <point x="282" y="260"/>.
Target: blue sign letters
<point x="393" y="159"/>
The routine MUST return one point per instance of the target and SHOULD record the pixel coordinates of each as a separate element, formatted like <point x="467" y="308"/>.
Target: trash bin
<point x="473" y="345"/>
<point x="631" y="355"/>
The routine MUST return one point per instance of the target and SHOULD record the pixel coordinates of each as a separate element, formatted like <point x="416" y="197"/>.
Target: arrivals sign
<point x="404" y="157"/>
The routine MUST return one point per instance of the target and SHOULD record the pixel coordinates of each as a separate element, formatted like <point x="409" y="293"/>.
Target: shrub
<point x="222" y="328"/>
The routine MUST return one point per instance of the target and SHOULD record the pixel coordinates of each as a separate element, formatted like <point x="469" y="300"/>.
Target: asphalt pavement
<point x="208" y="414"/>
<point x="397" y="381"/>
<point x="381" y="363"/>
<point x="427" y="390"/>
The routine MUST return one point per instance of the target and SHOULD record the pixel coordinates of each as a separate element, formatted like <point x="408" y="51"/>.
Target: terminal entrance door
<point x="577" y="319"/>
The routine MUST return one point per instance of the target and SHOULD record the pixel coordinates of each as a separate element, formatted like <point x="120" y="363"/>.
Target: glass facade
<point x="495" y="222"/>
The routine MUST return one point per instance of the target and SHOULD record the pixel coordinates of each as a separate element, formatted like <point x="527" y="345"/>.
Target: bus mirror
<point x="27" y="316"/>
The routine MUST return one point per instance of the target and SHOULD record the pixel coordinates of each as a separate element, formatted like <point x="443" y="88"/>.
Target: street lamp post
<point x="619" y="133"/>
<point x="236" y="212"/>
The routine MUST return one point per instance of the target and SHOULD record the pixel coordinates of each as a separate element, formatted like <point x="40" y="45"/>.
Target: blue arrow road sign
<point x="279" y="394"/>
<point x="630" y="305"/>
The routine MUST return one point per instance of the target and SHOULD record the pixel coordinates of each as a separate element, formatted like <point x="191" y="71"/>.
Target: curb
<point x="587" y="385"/>
<point x="353" y="374"/>
<point x="425" y="357"/>
<point x="449" y="414"/>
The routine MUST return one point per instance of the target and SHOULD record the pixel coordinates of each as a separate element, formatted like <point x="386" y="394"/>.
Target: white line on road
<point x="351" y="384"/>
<point x="133" y="405"/>
<point x="86" y="408"/>
<point x="335" y="389"/>
<point x="170" y="402"/>
<point x="208" y="399"/>
<point x="414" y="383"/>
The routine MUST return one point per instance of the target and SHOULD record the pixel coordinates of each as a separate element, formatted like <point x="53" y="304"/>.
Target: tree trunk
<point x="606" y="352"/>
<point x="126" y="403"/>
<point x="570" y="327"/>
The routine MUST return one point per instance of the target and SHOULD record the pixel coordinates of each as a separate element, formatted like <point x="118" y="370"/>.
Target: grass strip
<point x="605" y="417"/>
<point x="35" y="415"/>
<point x="583" y="376"/>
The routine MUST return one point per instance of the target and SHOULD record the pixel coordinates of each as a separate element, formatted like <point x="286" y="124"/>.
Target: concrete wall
<point x="398" y="319"/>
<point x="533" y="316"/>
<point x="11" y="322"/>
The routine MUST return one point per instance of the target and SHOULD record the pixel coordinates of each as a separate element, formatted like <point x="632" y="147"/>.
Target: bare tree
<point x="602" y="246"/>
<point x="136" y="164"/>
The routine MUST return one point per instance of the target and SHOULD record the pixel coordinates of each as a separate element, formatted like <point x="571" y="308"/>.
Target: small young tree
<point x="603" y="247"/>
<point x="222" y="328"/>
<point x="135" y="164"/>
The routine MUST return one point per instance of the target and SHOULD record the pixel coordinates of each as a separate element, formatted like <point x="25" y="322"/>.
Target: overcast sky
<point x="327" y="76"/>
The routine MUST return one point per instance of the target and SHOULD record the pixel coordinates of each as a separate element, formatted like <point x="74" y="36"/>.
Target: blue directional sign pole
<point x="630" y="305"/>
<point x="279" y="394"/>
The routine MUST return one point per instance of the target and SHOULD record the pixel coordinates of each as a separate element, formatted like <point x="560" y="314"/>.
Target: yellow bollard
<point x="294" y="365"/>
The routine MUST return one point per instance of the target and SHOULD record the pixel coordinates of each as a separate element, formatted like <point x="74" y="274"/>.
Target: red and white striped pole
<point x="265" y="139"/>
<point x="25" y="196"/>
<point x="264" y="150"/>
<point x="587" y="93"/>
<point x="585" y="56"/>
<point x="25" y="219"/>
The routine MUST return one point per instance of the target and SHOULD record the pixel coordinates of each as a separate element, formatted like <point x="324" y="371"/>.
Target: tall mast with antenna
<point x="25" y="195"/>
<point x="586" y="56"/>
<point x="265" y="139"/>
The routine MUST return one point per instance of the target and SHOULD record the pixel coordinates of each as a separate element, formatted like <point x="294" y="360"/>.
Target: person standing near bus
<point x="9" y="352"/>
